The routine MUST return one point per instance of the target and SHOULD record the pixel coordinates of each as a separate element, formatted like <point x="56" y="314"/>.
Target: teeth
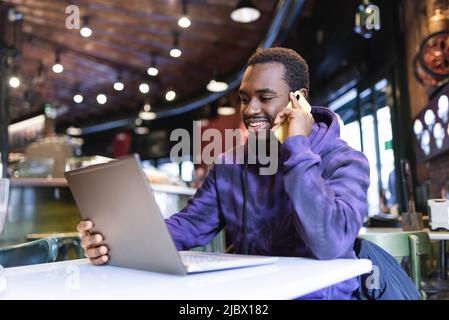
<point x="257" y="124"/>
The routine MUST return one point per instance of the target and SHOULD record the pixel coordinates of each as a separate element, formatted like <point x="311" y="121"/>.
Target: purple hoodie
<point x="314" y="206"/>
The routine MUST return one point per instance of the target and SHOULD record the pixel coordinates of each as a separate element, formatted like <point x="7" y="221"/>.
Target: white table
<point x="433" y="235"/>
<point x="441" y="236"/>
<point x="77" y="279"/>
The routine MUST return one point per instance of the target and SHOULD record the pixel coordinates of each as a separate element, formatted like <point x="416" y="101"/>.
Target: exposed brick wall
<point x="415" y="25"/>
<point x="436" y="171"/>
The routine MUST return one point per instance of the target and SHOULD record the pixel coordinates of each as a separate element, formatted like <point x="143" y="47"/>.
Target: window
<point x="386" y="154"/>
<point x="351" y="134"/>
<point x="369" y="149"/>
<point x="366" y="116"/>
<point x="187" y="169"/>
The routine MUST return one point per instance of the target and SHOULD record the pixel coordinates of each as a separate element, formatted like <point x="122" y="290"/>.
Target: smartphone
<point x="281" y="133"/>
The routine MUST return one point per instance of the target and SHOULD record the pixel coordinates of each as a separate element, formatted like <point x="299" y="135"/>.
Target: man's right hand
<point x="92" y="243"/>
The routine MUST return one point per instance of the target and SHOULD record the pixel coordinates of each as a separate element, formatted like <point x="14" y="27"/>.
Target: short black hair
<point x="296" y="69"/>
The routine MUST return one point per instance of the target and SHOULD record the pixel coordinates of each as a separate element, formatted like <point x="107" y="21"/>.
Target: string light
<point x="144" y="88"/>
<point x="85" y="31"/>
<point x="102" y="99"/>
<point x="78" y="98"/>
<point x="184" y="21"/>
<point x="245" y="12"/>
<point x="153" y="71"/>
<point x="14" y="82"/>
<point x="175" y="52"/>
<point x="58" y="67"/>
<point x="170" y="95"/>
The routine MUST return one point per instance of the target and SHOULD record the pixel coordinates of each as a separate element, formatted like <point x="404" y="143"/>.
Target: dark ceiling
<point x="126" y="33"/>
<point x="336" y="54"/>
<point x="125" y="36"/>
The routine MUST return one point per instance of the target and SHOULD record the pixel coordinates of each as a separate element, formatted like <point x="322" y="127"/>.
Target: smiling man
<point x="313" y="206"/>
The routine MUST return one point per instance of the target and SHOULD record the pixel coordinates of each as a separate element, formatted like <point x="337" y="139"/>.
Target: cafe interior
<point x="85" y="82"/>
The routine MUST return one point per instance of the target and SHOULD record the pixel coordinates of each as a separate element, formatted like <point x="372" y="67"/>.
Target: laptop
<point x="117" y="197"/>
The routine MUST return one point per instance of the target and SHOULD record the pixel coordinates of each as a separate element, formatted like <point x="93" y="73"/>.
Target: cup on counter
<point x="4" y="195"/>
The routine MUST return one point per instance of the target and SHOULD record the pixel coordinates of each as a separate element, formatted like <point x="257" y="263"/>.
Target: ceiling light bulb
<point x="86" y="32"/>
<point x="119" y="86"/>
<point x="57" y="68"/>
<point x="14" y="82"/>
<point x="144" y="115"/>
<point x="102" y="99"/>
<point x="245" y="12"/>
<point x="184" y="22"/>
<point x="226" y="111"/>
<point x="217" y="86"/>
<point x="170" y="95"/>
<point x="144" y="88"/>
<point x="175" y="53"/>
<point x="152" y="71"/>
<point x="78" y="98"/>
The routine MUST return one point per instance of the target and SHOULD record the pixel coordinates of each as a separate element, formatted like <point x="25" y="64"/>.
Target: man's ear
<point x="305" y="93"/>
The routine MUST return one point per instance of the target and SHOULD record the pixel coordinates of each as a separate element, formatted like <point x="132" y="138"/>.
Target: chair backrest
<point x="33" y="252"/>
<point x="419" y="245"/>
<point x="411" y="244"/>
<point x="396" y="244"/>
<point x="381" y="222"/>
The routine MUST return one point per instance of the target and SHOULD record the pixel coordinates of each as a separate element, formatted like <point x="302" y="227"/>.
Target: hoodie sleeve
<point x="329" y="211"/>
<point x="200" y="221"/>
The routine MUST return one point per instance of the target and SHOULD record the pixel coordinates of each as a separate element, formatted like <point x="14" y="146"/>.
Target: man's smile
<point x="257" y="124"/>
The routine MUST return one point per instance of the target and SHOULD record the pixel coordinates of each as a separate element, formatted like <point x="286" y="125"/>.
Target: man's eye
<point x="266" y="98"/>
<point x="244" y="100"/>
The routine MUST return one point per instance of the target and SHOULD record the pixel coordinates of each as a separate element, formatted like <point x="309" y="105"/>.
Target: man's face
<point x="263" y="94"/>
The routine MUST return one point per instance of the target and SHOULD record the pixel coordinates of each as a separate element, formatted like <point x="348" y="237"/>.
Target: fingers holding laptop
<point x="92" y="243"/>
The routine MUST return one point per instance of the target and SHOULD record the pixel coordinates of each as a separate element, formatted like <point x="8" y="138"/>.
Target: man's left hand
<point x="299" y="121"/>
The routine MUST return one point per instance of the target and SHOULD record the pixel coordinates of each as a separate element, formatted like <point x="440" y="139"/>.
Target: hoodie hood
<point x="325" y="130"/>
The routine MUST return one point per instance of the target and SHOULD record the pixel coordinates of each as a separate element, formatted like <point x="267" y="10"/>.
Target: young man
<point x="313" y="206"/>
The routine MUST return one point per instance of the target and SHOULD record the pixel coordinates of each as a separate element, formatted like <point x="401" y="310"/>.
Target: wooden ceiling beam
<point x="167" y="76"/>
<point x="119" y="39"/>
<point x="121" y="58"/>
<point x="138" y="21"/>
<point x="125" y="32"/>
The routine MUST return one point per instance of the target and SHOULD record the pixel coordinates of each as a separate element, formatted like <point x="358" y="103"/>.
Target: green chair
<point x="65" y="244"/>
<point x="404" y="244"/>
<point x="34" y="252"/>
<point x="69" y="244"/>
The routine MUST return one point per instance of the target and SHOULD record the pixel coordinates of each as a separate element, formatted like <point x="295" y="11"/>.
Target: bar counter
<point x="43" y="206"/>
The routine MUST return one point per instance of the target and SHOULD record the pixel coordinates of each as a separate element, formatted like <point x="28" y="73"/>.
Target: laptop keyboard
<point x="188" y="259"/>
<point x="199" y="261"/>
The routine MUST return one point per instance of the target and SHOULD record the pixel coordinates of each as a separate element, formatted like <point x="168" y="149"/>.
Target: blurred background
<point x="86" y="81"/>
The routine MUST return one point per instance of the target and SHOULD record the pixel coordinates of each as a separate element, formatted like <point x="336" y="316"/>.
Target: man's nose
<point x="253" y="108"/>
